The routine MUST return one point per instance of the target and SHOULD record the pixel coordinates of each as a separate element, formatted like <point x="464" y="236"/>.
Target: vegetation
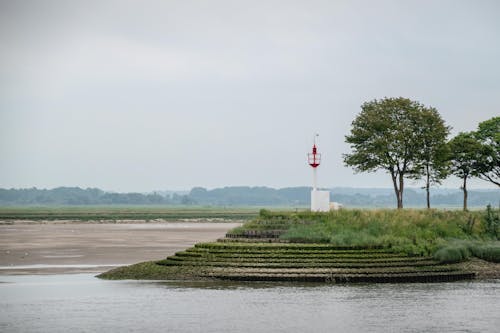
<point x="433" y="158"/>
<point x="89" y="196"/>
<point x="414" y="232"/>
<point x="150" y="270"/>
<point x="399" y="136"/>
<point x="457" y="251"/>
<point x="338" y="247"/>
<point x="234" y="197"/>
<point x="488" y="166"/>
<point x="111" y="213"/>
<point x="492" y="222"/>
<point x="477" y="154"/>
<point x="291" y="262"/>
<point x="407" y="139"/>
<point x="465" y="154"/>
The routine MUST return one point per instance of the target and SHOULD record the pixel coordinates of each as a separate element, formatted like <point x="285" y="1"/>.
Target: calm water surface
<point x="82" y="303"/>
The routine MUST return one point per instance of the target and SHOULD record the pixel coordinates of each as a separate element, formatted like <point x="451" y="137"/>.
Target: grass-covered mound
<point x="342" y="246"/>
<point x="414" y="232"/>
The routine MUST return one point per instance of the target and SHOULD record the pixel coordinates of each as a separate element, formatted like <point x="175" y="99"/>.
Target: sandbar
<point x="44" y="247"/>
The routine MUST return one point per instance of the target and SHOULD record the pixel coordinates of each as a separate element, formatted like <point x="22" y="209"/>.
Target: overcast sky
<point x="153" y="95"/>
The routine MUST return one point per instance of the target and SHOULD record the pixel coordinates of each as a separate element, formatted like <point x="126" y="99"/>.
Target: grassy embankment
<point x="113" y="213"/>
<point x="343" y="246"/>
<point x="449" y="235"/>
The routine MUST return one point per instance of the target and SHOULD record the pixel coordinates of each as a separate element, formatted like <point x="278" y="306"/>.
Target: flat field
<point x="113" y="213"/>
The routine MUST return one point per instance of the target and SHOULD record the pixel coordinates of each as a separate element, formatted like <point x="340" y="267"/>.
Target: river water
<point x="82" y="303"/>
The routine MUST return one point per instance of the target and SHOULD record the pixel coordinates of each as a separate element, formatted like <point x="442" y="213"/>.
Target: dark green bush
<point x="487" y="252"/>
<point x="264" y="213"/>
<point x="456" y="251"/>
<point x="452" y="254"/>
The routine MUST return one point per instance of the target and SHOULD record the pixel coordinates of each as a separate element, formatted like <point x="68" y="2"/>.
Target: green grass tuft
<point x="460" y="250"/>
<point x="489" y="252"/>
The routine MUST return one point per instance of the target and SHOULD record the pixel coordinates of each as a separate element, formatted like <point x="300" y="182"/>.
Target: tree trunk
<point x="401" y="188"/>
<point x="427" y="188"/>
<point x="464" y="188"/>
<point x="396" y="190"/>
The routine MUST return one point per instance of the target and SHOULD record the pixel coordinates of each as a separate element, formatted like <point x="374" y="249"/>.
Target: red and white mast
<point x="314" y="160"/>
<point x="320" y="200"/>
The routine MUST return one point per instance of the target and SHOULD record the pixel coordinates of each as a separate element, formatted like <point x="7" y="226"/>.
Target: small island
<point x="344" y="246"/>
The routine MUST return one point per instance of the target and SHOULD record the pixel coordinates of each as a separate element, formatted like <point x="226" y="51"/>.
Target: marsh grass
<point x="410" y="231"/>
<point x="488" y="252"/>
<point x="460" y="250"/>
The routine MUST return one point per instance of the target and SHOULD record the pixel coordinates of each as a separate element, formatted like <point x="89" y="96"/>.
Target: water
<point x="82" y="303"/>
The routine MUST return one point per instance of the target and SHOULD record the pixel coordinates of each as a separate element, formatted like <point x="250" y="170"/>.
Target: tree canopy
<point x="488" y="163"/>
<point x="433" y="159"/>
<point x="394" y="135"/>
<point x="465" y="152"/>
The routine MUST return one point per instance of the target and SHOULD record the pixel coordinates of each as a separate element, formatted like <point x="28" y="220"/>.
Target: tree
<point x="433" y="157"/>
<point x="387" y="135"/>
<point x="488" y="165"/>
<point x="465" y="152"/>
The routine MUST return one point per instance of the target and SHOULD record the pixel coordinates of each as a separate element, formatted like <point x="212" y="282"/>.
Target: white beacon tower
<point x="320" y="200"/>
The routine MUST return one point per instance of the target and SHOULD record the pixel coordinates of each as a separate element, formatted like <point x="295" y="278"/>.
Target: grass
<point x="112" y="213"/>
<point x="341" y="246"/>
<point x="457" y="251"/>
<point x="410" y="231"/>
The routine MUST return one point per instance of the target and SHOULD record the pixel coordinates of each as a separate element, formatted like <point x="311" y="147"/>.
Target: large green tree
<point x="387" y="135"/>
<point x="465" y="153"/>
<point x="433" y="159"/>
<point x="488" y="165"/>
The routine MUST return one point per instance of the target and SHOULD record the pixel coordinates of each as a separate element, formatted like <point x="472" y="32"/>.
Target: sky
<point x="156" y="95"/>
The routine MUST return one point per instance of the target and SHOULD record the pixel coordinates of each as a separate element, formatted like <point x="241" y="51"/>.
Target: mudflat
<point x="45" y="247"/>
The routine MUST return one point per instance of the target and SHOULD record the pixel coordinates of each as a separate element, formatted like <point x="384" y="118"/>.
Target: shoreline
<point x="121" y="221"/>
<point x="484" y="270"/>
<point x="80" y="247"/>
<point x="47" y="247"/>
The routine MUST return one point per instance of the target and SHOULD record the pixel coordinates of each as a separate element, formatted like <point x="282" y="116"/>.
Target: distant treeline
<point x="89" y="196"/>
<point x="243" y="196"/>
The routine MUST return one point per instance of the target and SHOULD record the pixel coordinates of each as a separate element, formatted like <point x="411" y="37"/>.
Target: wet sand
<point x="75" y="247"/>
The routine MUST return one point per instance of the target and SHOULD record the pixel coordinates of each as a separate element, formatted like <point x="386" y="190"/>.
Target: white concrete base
<point x="335" y="205"/>
<point x="320" y="201"/>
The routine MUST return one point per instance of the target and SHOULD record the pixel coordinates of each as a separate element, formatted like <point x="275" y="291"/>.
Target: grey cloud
<point x="138" y="95"/>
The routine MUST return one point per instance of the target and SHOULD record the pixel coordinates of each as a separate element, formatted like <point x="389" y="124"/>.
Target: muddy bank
<point x="484" y="270"/>
<point x="53" y="247"/>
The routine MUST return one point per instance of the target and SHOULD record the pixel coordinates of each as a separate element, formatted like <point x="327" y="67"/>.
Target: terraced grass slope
<point x="336" y="247"/>
<point x="308" y="263"/>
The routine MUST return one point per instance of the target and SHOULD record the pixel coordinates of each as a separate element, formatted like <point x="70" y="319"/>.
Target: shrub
<point x="487" y="252"/>
<point x="264" y="213"/>
<point x="452" y="253"/>
<point x="492" y="221"/>
<point x="456" y="251"/>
